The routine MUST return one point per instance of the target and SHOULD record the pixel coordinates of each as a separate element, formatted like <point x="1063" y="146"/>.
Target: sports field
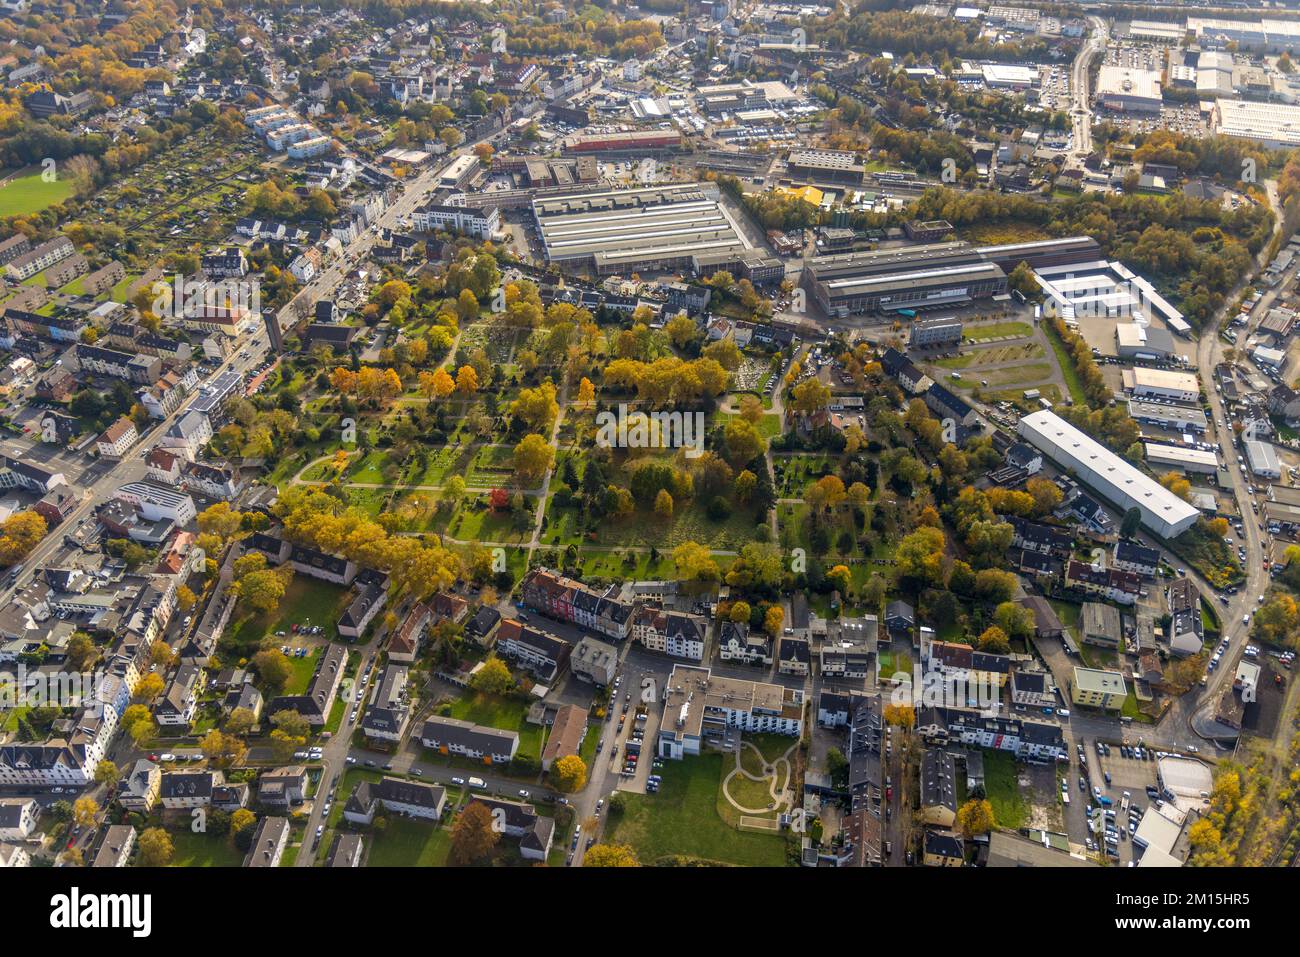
<point x="26" y="192"/>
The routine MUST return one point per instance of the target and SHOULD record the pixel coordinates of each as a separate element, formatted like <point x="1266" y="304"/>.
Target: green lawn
<point x="997" y="330"/>
<point x="683" y="819"/>
<point x="1002" y="786"/>
<point x="303" y="669"/>
<point x="204" y="850"/>
<point x="30" y="193"/>
<point x="306" y="601"/>
<point x="1066" y="363"/>
<point x="769" y="426"/>
<point x="503" y="713"/>
<point x="403" y="842"/>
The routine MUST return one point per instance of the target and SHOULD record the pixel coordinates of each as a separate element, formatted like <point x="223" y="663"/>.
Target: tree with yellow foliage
<point x="466" y="380"/>
<point x="19" y="534"/>
<point x="610" y="855"/>
<point x="569" y="774"/>
<point x="975" y="817"/>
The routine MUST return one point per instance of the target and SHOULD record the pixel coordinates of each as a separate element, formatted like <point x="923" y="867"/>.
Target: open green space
<point x="306" y="601"/>
<point x="498" y="712"/>
<point x="204" y="850"/>
<point x="1032" y="372"/>
<point x="1071" y="375"/>
<point x="28" y="192"/>
<point x="682" y="819"/>
<point x="407" y="842"/>
<point x="997" y="330"/>
<point x="1002" y="787"/>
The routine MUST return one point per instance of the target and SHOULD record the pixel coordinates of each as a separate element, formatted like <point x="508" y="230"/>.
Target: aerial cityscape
<point x="690" y="433"/>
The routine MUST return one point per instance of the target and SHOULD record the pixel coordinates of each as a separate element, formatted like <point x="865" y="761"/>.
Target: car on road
<point x="458" y="781"/>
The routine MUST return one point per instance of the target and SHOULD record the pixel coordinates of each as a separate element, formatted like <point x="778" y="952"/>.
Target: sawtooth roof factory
<point x="659" y="228"/>
<point x="931" y="276"/>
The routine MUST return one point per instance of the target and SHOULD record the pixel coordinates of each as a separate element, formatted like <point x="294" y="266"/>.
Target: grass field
<point x="1002" y="786"/>
<point x="29" y="193"/>
<point x="997" y="330"/>
<point x="1027" y="374"/>
<point x="683" y="819"/>
<point x="408" y="843"/>
<point x="994" y="355"/>
<point x="1068" y="371"/>
<point x="204" y="850"/>
<point x="306" y="599"/>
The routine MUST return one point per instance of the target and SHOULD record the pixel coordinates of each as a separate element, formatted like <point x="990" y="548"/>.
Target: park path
<point x="771" y="777"/>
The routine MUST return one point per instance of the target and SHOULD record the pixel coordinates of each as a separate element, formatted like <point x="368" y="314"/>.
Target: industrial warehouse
<point x="1103" y="288"/>
<point x="1274" y="125"/>
<point x="676" y="227"/>
<point x="1163" y="512"/>
<point x="931" y="276"/>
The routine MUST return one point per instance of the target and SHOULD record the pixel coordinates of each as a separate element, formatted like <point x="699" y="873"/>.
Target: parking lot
<point x="1109" y="771"/>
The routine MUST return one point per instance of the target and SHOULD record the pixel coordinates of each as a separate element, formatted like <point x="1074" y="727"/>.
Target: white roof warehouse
<point x="1163" y="512"/>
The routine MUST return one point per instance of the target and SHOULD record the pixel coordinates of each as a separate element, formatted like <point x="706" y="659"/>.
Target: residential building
<point x="1141" y="560"/>
<point x="594" y="661"/>
<point x="699" y="704"/>
<point x="542" y="654"/>
<point x="1111" y="583"/>
<point x="188" y="789"/>
<point x="398" y="796"/>
<point x="283" y="787"/>
<point x="369" y="595"/>
<point x="315" y="703"/>
<point x="269" y="841"/>
<point x="115" y="846"/>
<point x="1095" y="688"/>
<point x="18" y="818"/>
<point x="522" y="822"/>
<point x="794" y="655"/>
<point x="565" y="599"/>
<point x="566" y="735"/>
<point x="138" y="790"/>
<point x="469" y="740"/>
<point x="938" y="788"/>
<point x="386" y="719"/>
<point x="117" y="439"/>
<point x="738" y="642"/>
<point x="672" y="633"/>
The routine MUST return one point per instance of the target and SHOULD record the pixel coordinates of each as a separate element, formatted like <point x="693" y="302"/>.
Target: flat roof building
<point x="1128" y="90"/>
<point x="830" y="166"/>
<point x="1274" y="125"/>
<point x="1178" y="457"/>
<point x="932" y="275"/>
<point x="1095" y="688"/>
<point x="1175" y="418"/>
<point x="1161" y="384"/>
<point x="1163" y="512"/>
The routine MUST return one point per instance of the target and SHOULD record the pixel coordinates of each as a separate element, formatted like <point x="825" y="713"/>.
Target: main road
<point x="1081" y="111"/>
